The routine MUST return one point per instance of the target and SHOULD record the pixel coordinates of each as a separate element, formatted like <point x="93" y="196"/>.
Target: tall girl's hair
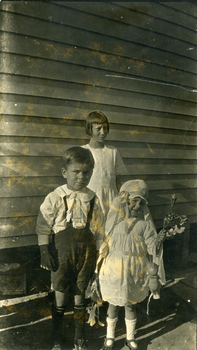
<point x="95" y="117"/>
<point x="79" y="155"/>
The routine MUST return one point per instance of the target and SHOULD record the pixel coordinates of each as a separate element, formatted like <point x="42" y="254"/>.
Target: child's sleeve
<point x="120" y="166"/>
<point x="97" y="223"/>
<point x="150" y="237"/>
<point x="45" y="220"/>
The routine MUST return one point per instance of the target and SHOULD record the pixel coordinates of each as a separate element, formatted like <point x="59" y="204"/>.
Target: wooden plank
<point x="63" y="71"/>
<point x="36" y="186"/>
<point x="187" y="8"/>
<point x="30" y="186"/>
<point x="163" y="12"/>
<point x="163" y="197"/>
<point x="14" y="242"/>
<point x="13" y="283"/>
<point x="111" y="80"/>
<point x="29" y="206"/>
<point x="93" y="94"/>
<point x="171" y="182"/>
<point x="56" y="147"/>
<point x="143" y="16"/>
<point x="20" y="206"/>
<point x="131" y="133"/>
<point x="42" y="166"/>
<point x="105" y="23"/>
<point x="34" y="126"/>
<point x="16" y="234"/>
<point x="17" y="226"/>
<point x="30" y="166"/>
<point x="19" y="44"/>
<point x="161" y="167"/>
<point x="28" y="147"/>
<point x="158" y="212"/>
<point x="106" y="26"/>
<point x="167" y="64"/>
<point x="75" y="110"/>
<point x="29" y="240"/>
<point x="122" y="133"/>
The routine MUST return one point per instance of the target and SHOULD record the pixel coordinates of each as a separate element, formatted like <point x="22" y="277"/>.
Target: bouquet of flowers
<point x="174" y="223"/>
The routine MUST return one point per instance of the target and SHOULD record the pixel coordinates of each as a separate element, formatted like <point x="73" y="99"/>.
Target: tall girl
<point x="105" y="181"/>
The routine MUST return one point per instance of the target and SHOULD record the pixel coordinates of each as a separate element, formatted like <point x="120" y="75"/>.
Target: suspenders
<point x="89" y="213"/>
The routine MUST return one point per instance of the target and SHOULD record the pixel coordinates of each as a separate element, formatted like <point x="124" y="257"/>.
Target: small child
<point x="109" y="165"/>
<point x="130" y="242"/>
<point x="70" y="214"/>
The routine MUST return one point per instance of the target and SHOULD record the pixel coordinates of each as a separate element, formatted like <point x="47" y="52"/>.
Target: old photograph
<point x="98" y="146"/>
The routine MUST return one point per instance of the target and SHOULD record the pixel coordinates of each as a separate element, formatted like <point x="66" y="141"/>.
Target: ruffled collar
<point x="78" y="203"/>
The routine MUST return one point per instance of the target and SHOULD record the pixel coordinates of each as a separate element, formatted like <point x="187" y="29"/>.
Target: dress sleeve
<point x="45" y="220"/>
<point x="97" y="223"/>
<point x="120" y="166"/>
<point x="150" y="238"/>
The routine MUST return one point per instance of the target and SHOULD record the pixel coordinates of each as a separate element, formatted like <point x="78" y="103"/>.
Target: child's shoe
<point x="108" y="347"/>
<point x="156" y="295"/>
<point x="131" y="344"/>
<point x="80" y="344"/>
<point x="56" y="345"/>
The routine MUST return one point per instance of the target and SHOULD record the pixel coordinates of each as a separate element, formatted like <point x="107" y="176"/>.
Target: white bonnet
<point x="136" y="188"/>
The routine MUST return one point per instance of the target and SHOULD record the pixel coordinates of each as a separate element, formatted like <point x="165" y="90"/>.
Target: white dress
<point x="123" y="270"/>
<point x="108" y="164"/>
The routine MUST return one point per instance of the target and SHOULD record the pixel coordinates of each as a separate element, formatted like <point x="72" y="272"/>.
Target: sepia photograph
<point x="98" y="150"/>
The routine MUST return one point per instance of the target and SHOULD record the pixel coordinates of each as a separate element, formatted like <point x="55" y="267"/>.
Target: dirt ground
<point x="170" y="325"/>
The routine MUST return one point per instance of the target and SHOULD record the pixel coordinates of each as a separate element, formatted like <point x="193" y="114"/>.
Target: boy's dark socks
<point x="80" y="317"/>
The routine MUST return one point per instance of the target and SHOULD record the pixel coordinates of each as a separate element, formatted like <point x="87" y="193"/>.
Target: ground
<point x="170" y="325"/>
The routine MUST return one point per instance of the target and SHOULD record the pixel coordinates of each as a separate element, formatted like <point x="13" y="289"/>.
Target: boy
<point x="71" y="213"/>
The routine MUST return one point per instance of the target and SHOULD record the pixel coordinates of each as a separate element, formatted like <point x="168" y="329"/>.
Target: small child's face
<point x="99" y="132"/>
<point x="78" y="175"/>
<point x="135" y="206"/>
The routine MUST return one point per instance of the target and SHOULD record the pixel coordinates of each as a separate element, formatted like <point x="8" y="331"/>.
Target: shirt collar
<point x="64" y="190"/>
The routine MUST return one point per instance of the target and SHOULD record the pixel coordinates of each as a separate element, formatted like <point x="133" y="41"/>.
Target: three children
<point x="74" y="216"/>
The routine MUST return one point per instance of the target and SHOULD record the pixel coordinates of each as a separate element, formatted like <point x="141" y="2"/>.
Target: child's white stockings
<point x="111" y="325"/>
<point x="130" y="327"/>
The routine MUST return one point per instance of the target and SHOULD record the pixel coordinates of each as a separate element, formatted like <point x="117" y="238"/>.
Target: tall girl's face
<point x="99" y="132"/>
<point x="135" y="206"/>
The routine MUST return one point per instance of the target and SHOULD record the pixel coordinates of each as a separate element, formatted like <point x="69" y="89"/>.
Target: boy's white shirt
<point x="53" y="219"/>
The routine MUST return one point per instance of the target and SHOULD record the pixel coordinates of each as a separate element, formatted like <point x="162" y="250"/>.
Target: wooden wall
<point x="136" y="62"/>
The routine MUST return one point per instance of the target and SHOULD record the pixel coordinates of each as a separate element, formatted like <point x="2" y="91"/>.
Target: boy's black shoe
<point x="80" y="344"/>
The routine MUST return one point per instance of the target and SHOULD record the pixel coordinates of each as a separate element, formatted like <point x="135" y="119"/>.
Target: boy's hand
<point x="46" y="260"/>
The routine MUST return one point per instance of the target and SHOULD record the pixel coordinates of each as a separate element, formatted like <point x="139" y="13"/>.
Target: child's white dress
<point x="123" y="271"/>
<point x="108" y="164"/>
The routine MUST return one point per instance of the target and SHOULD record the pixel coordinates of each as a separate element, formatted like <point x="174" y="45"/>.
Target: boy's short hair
<point x="78" y="155"/>
<point x="95" y="117"/>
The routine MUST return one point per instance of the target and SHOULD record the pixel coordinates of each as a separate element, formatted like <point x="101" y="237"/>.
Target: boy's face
<point x="78" y="175"/>
<point x="135" y="206"/>
<point x="99" y="132"/>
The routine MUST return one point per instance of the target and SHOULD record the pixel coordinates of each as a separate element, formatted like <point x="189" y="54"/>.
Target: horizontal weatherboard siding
<point x="136" y="62"/>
